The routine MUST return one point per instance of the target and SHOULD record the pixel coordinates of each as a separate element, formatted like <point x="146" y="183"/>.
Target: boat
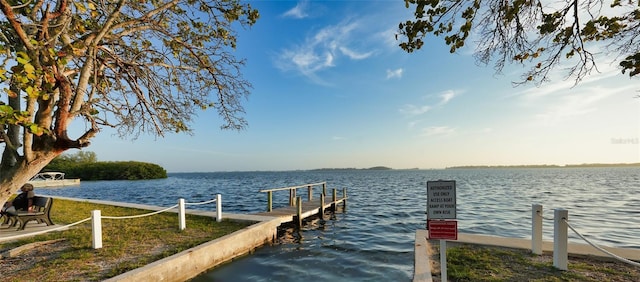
<point x="52" y="179"/>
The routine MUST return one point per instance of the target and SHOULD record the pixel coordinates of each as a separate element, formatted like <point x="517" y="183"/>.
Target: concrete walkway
<point x="422" y="264"/>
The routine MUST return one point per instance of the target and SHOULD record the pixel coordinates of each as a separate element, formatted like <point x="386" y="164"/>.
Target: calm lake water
<point x="373" y="240"/>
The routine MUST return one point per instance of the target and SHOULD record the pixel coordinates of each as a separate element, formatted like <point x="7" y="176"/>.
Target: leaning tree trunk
<point x="13" y="177"/>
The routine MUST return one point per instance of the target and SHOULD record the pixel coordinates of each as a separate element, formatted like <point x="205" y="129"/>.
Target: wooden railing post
<point x="335" y="198"/>
<point x="321" y="206"/>
<point x="310" y="192"/>
<point x="291" y="197"/>
<point x="269" y="201"/>
<point x="344" y="199"/>
<point x="324" y="188"/>
<point x="299" y="211"/>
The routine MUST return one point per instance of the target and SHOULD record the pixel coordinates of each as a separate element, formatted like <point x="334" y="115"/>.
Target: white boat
<point x="52" y="179"/>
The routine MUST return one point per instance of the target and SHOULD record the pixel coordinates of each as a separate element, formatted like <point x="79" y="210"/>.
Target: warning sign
<point x="441" y="199"/>
<point x="443" y="229"/>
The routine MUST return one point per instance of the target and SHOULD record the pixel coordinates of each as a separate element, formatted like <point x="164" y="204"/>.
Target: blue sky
<point x="331" y="88"/>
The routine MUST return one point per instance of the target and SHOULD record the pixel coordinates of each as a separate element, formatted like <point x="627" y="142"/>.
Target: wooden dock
<point x="298" y="210"/>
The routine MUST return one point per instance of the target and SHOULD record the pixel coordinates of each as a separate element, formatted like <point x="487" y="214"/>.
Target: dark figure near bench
<point x="22" y="203"/>
<point x="27" y="208"/>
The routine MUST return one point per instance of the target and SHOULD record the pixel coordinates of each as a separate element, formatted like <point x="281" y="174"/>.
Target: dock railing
<point x="292" y="193"/>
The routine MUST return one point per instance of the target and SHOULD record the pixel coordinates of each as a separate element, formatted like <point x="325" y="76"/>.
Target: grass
<point x="468" y="262"/>
<point x="127" y="244"/>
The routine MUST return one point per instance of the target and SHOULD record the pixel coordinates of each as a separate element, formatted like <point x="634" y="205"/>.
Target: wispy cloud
<point x="573" y="105"/>
<point x="323" y="50"/>
<point x="337" y="138"/>
<point x="441" y="100"/>
<point x="397" y="73"/>
<point x="413" y="110"/>
<point x="353" y="54"/>
<point x="447" y="96"/>
<point x="299" y="11"/>
<point x="438" y="130"/>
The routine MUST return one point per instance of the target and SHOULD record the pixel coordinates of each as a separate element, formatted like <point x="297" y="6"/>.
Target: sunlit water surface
<point x="374" y="239"/>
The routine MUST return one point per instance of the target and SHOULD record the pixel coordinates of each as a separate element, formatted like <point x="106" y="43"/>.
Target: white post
<point x="536" y="229"/>
<point x="182" y="221"/>
<point x="443" y="260"/>
<point x="218" y="207"/>
<point x="96" y="229"/>
<point x="560" y="239"/>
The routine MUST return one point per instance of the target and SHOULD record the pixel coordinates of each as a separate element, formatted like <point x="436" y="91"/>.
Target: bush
<point x="129" y="170"/>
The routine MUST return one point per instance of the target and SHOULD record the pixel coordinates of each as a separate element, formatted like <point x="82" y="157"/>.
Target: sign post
<point x="441" y="215"/>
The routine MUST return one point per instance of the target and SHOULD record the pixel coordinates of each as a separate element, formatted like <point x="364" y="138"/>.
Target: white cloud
<point x="443" y="99"/>
<point x="447" y="96"/>
<point x="437" y="130"/>
<point x="397" y="73"/>
<point x="299" y="11"/>
<point x="413" y="110"/>
<point x="354" y="55"/>
<point x="325" y="49"/>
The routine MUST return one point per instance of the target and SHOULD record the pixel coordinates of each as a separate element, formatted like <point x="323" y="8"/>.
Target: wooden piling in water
<point x="299" y="211"/>
<point x="344" y="199"/>
<point x="321" y="212"/>
<point x="335" y="198"/>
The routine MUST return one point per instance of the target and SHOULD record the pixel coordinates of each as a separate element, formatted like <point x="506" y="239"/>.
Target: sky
<point x="332" y="89"/>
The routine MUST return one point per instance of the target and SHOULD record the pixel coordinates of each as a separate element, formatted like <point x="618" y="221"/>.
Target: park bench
<point x="40" y="212"/>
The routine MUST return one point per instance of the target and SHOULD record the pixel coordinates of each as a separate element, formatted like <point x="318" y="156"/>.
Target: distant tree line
<point x="85" y="165"/>
<point x="547" y="166"/>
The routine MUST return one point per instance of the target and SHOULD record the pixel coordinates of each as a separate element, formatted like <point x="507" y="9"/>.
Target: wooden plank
<point x="288" y="213"/>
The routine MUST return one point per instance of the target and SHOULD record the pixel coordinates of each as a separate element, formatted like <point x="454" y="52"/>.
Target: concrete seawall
<point x="192" y="262"/>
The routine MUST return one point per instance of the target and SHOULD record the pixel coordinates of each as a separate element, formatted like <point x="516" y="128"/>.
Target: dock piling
<point x="299" y="211"/>
<point x="344" y="199"/>
<point x="321" y="212"/>
<point x="335" y="198"/>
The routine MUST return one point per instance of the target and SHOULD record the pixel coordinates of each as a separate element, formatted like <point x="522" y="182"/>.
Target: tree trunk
<point x="12" y="178"/>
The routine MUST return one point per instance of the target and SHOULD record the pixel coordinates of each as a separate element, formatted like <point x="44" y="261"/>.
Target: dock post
<point x="310" y="192"/>
<point x="269" y="201"/>
<point x="324" y="188"/>
<point x="560" y="239"/>
<point x="291" y="198"/>
<point x="299" y="211"/>
<point x="218" y="208"/>
<point x="335" y="199"/>
<point x="182" y="222"/>
<point x="96" y="229"/>
<point x="344" y="199"/>
<point x="536" y="229"/>
<point x="321" y="206"/>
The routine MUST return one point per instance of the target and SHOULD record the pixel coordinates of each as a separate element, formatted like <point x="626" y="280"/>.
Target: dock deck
<point x="298" y="210"/>
<point x="309" y="209"/>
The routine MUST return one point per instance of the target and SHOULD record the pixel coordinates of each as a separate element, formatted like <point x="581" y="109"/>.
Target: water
<point x="374" y="238"/>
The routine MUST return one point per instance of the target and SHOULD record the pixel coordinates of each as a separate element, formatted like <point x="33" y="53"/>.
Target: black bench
<point x="41" y="209"/>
